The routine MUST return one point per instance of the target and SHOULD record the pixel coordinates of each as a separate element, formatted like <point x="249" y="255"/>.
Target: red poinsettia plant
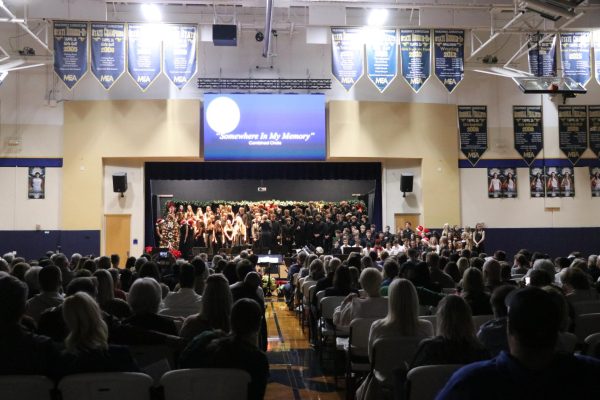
<point x="174" y="252"/>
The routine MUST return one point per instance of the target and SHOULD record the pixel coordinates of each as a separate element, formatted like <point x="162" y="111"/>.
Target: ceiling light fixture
<point x="378" y="17"/>
<point x="151" y="12"/>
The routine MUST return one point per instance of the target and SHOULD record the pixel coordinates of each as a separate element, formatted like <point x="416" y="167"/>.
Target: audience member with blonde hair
<point x="455" y="342"/>
<point x="372" y="306"/>
<point x="86" y="346"/>
<point x="106" y="296"/>
<point x="216" y="309"/>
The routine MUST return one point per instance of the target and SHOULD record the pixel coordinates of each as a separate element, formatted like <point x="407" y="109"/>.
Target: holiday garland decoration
<point x="265" y="204"/>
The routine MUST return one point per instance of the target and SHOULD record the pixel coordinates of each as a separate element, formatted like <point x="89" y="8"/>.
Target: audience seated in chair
<point x="118" y="308"/>
<point x="216" y="309"/>
<point x="185" y="301"/>
<point x="214" y="349"/>
<point x="144" y="299"/>
<point x="21" y="352"/>
<point x="533" y="369"/>
<point x="373" y="306"/>
<point x="86" y="346"/>
<point x="50" y="282"/>
<point x="474" y="292"/>
<point x="493" y="333"/>
<point x="455" y="342"/>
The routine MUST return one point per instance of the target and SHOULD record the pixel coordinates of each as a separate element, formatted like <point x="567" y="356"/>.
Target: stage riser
<point x="34" y="244"/>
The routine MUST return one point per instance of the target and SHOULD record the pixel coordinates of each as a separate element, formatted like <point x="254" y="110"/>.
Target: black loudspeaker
<point x="224" y="35"/>
<point x="406" y="183"/>
<point x="120" y="183"/>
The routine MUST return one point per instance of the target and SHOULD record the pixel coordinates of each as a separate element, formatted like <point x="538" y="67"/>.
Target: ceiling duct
<point x="552" y="9"/>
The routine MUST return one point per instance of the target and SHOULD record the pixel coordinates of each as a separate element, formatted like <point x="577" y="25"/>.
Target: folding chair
<point x="479" y="320"/>
<point x="327" y="330"/>
<point x="592" y="345"/>
<point x="25" y="387"/>
<point x="357" y="351"/>
<point x="390" y="357"/>
<point x="586" y="307"/>
<point x="424" y="383"/>
<point x="206" y="384"/>
<point x="586" y="325"/>
<point x="106" y="386"/>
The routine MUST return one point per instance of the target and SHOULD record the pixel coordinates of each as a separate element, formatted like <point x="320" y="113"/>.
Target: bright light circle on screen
<point x="223" y="115"/>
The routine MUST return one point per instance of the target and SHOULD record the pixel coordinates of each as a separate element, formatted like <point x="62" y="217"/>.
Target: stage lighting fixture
<point x="3" y="76"/>
<point x="151" y="12"/>
<point x="549" y="9"/>
<point x="259" y="36"/>
<point x="378" y="17"/>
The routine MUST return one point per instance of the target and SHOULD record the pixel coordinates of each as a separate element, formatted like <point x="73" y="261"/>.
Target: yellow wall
<point x="170" y="129"/>
<point x="93" y="130"/>
<point x="404" y="130"/>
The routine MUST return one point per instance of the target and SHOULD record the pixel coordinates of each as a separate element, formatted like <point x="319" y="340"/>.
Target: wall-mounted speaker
<point x="406" y="183"/>
<point x="224" y="35"/>
<point x="120" y="183"/>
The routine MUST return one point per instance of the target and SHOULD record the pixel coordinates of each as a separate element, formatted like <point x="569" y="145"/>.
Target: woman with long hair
<point x="455" y="342"/>
<point x="106" y="296"/>
<point x="216" y="309"/>
<point x="86" y="346"/>
<point x="474" y="292"/>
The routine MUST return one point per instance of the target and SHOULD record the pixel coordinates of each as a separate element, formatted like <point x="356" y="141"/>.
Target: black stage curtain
<point x="260" y="170"/>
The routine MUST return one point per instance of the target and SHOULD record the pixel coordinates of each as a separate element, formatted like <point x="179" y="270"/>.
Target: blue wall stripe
<point x="520" y="163"/>
<point x="35" y="244"/>
<point x="31" y="162"/>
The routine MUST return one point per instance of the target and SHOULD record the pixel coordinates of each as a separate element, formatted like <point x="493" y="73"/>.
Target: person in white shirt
<point x="185" y="301"/>
<point x="373" y="306"/>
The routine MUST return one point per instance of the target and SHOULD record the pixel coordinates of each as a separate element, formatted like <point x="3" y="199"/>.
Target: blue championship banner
<point x="143" y="53"/>
<point x="542" y="55"/>
<point x="597" y="55"/>
<point x="179" y="53"/>
<point x="70" y="51"/>
<point x="415" y="52"/>
<point x="449" y="56"/>
<point x="572" y="131"/>
<point x="472" y="128"/>
<point x="575" y="51"/>
<point x="107" y="52"/>
<point x="528" y="131"/>
<point x="594" y="128"/>
<point x="382" y="57"/>
<point x="347" y="55"/>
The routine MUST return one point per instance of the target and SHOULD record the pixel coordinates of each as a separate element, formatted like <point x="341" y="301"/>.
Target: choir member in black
<point x="328" y="232"/>
<point x="340" y="224"/>
<point x="287" y="235"/>
<point x="266" y="233"/>
<point x="276" y="229"/>
<point x="186" y="238"/>
<point x="300" y="232"/>
<point x="309" y="229"/>
<point x="368" y="240"/>
<point x="246" y="220"/>
<point x="318" y="230"/>
<point x="407" y="232"/>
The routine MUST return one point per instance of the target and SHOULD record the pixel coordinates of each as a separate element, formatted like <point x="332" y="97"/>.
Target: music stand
<point x="269" y="260"/>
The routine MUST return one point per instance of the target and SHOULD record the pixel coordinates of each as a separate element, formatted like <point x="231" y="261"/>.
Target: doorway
<point x="401" y="219"/>
<point x="117" y="235"/>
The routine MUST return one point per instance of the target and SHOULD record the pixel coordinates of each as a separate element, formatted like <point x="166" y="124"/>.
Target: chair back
<point x="392" y="354"/>
<point x="592" y="345"/>
<point x="479" y="320"/>
<point x="424" y="383"/>
<point x="430" y="318"/>
<point x="566" y="343"/>
<point x="305" y="290"/>
<point x="586" y="307"/>
<point x="329" y="304"/>
<point x="25" y="387"/>
<point x="206" y="384"/>
<point x="106" y="386"/>
<point x="586" y="325"/>
<point x="320" y="296"/>
<point x="358" y="344"/>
